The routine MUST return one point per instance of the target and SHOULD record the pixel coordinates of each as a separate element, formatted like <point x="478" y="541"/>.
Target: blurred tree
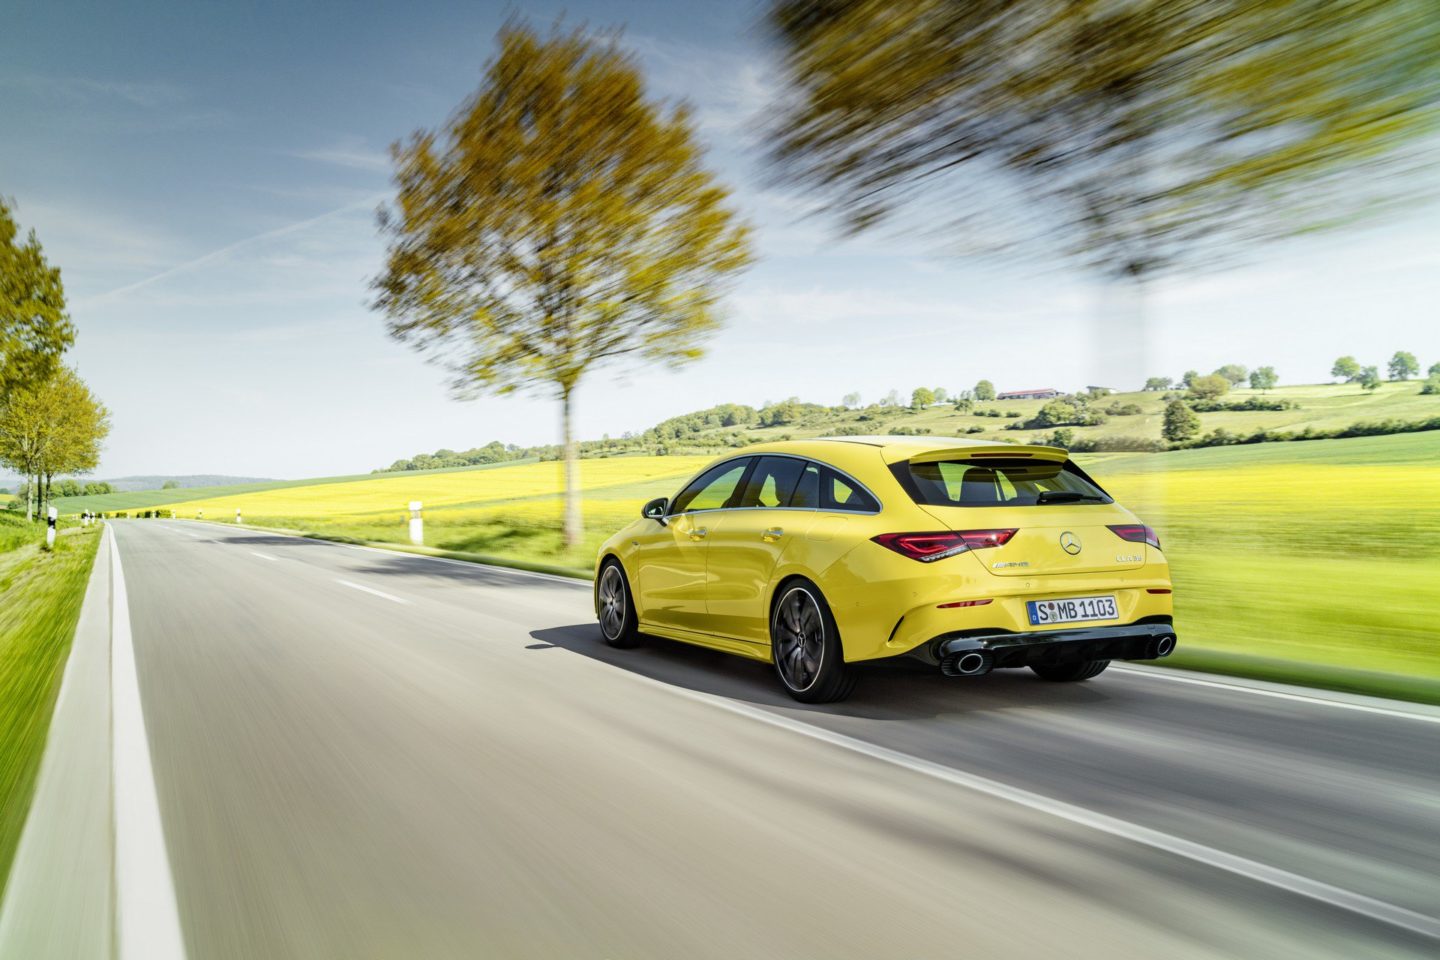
<point x="941" y="394"/>
<point x="922" y="397"/>
<point x="1369" y="378"/>
<point x="1188" y="378"/>
<point x="1432" y="382"/>
<point x="170" y="485"/>
<point x="34" y="328"/>
<point x="851" y="399"/>
<point x="1234" y="372"/>
<point x="891" y="399"/>
<point x="1209" y="387"/>
<point x="51" y="428"/>
<point x="1181" y="423"/>
<point x="1347" y="369"/>
<point x="1158" y="383"/>
<point x="559" y="222"/>
<point x="1141" y="137"/>
<point x="1264" y="378"/>
<point x="984" y="390"/>
<point x="1403" y="365"/>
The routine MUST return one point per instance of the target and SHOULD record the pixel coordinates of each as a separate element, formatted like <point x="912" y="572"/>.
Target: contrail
<point x="214" y="255"/>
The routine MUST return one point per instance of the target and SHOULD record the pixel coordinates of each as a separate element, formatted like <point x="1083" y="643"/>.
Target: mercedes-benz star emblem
<point x="1069" y="543"/>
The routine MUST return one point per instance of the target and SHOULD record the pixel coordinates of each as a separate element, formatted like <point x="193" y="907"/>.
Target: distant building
<point x="1044" y="393"/>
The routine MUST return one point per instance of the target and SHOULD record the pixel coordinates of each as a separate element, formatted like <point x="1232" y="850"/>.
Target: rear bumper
<point x="1135" y="641"/>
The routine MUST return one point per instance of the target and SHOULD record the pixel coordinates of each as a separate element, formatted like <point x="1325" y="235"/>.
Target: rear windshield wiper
<point x="1067" y="496"/>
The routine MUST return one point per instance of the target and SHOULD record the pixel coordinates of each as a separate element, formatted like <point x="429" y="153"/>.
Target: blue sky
<point x="206" y="176"/>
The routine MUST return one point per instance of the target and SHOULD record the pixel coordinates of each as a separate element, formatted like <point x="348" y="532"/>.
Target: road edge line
<point x="1284" y="691"/>
<point x="147" y="919"/>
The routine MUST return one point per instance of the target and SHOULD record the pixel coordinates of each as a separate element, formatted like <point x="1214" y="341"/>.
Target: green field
<point x="40" y="597"/>
<point x="1320" y="407"/>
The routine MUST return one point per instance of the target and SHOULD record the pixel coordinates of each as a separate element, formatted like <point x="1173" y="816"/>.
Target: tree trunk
<point x="29" y="498"/>
<point x="571" y="452"/>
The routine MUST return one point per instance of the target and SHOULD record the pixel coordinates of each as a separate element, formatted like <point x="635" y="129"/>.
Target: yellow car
<point x="818" y="555"/>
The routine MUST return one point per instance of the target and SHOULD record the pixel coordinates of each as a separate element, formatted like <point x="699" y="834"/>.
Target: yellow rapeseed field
<point x="390" y="494"/>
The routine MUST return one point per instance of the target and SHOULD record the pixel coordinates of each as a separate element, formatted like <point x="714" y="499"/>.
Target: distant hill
<point x="133" y="484"/>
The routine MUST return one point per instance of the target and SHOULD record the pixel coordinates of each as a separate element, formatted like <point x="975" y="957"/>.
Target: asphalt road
<point x="360" y="754"/>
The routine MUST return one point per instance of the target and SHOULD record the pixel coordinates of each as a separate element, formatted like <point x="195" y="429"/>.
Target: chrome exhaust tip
<point x="1161" y="646"/>
<point x="967" y="663"/>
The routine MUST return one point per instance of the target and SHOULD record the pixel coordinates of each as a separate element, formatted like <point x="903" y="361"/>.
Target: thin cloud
<point x="226" y="250"/>
<point x="349" y="155"/>
<point x="147" y="95"/>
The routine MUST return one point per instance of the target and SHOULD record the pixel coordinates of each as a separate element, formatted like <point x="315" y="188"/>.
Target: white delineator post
<point x="51" y="516"/>
<point x="237" y="514"/>
<point x="417" y="525"/>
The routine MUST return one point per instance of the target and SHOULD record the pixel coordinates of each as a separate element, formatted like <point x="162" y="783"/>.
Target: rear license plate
<point x="1045" y="612"/>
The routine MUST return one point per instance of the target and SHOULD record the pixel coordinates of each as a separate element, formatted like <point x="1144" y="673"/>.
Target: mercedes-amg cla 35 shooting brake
<point x="817" y="555"/>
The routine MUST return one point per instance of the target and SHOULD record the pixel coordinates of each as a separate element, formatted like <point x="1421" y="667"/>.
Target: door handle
<point x="698" y="533"/>
<point x="773" y="534"/>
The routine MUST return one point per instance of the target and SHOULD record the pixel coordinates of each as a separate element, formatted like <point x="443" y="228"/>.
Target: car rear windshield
<point x="1007" y="482"/>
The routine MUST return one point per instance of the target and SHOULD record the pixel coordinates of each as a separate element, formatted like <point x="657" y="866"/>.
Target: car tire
<point x="805" y="646"/>
<point x="615" y="607"/>
<point x="1065" y="673"/>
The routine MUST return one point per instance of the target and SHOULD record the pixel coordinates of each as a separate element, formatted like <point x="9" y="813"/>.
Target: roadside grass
<point x="1318" y="561"/>
<point x="40" y="597"/>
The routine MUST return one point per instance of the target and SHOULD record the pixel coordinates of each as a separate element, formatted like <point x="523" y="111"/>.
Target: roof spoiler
<point x="998" y="451"/>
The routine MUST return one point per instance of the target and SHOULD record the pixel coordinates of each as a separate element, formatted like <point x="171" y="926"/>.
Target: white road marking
<point x="147" y="920"/>
<point x="378" y="593"/>
<point x="585" y="583"/>
<point x="1161" y="673"/>
<point x="1272" y="876"/>
<point x="263" y="556"/>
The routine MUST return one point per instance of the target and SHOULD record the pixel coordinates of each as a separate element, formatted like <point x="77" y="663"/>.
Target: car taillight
<point x="1136" y="533"/>
<point x="929" y="547"/>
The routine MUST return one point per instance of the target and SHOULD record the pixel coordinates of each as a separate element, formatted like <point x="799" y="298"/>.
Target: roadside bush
<point x="1376" y="428"/>
<point x="1431" y="384"/>
<point x="1127" y="445"/>
<point x="1012" y="413"/>
<point x="1249" y="403"/>
<point x="975" y="429"/>
<point x="1124" y="409"/>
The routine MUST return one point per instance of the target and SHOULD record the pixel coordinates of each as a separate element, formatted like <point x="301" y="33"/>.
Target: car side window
<point x="772" y="483"/>
<point x="807" y="491"/>
<point x="838" y="493"/>
<point x="712" y="489"/>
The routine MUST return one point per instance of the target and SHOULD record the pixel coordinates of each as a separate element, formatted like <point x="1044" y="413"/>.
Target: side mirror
<point x="655" y="509"/>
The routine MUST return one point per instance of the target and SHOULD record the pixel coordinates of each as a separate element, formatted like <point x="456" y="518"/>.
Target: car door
<point x="671" y="558"/>
<point x="773" y="512"/>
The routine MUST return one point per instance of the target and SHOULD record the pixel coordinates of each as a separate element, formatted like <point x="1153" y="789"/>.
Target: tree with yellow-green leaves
<point x="560" y="221"/>
<point x="34" y="328"/>
<point x="1137" y="138"/>
<point x="51" y="428"/>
